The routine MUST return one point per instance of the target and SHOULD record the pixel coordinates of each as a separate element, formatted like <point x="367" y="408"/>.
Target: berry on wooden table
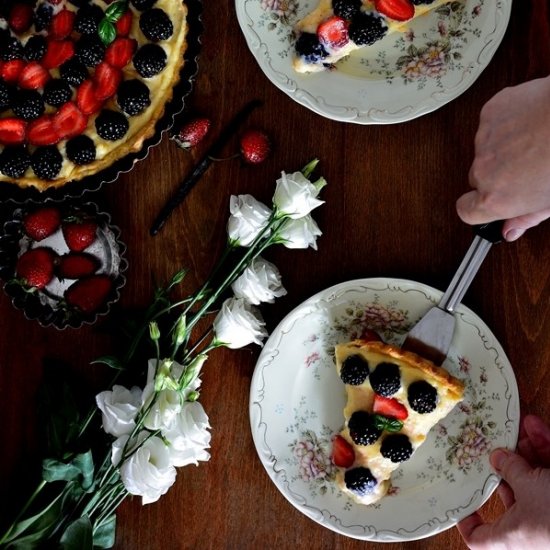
<point x="255" y="146"/>
<point x="192" y="132"/>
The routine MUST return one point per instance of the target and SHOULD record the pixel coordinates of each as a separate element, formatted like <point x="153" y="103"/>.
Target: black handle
<point x="491" y="231"/>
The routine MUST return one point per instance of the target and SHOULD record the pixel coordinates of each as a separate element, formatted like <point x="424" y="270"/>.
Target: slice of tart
<point x="335" y="28"/>
<point x="83" y="83"/>
<point x="394" y="398"/>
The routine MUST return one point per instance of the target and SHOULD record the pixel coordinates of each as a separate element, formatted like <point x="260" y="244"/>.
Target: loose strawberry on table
<point x="255" y="146"/>
<point x="192" y="132"/>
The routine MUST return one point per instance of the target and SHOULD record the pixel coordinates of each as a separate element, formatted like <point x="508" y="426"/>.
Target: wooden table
<point x="390" y="211"/>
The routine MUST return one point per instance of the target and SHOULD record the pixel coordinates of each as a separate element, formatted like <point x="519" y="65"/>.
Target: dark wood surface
<point x="389" y="212"/>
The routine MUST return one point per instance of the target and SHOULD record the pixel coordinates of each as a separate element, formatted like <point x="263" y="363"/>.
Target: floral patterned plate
<point x="401" y="77"/>
<point x="297" y="399"/>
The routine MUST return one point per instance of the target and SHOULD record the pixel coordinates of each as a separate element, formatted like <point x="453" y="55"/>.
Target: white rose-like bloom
<point x="188" y="436"/>
<point x="300" y="233"/>
<point x="259" y="282"/>
<point x="119" y="408"/>
<point x="248" y="219"/>
<point x="238" y="324"/>
<point x="295" y="195"/>
<point x="148" y="472"/>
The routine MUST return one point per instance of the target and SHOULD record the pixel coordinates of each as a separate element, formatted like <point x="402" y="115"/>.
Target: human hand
<point x="510" y="174"/>
<point x="525" y="493"/>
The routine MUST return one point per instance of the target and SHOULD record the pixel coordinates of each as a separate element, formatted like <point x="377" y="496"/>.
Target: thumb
<point x="513" y="468"/>
<point x="470" y="209"/>
<point x="514" y="228"/>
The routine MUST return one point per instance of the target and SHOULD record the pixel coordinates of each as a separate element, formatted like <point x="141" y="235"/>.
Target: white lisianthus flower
<point x="119" y="408"/>
<point x="238" y="324"/>
<point x="148" y="472"/>
<point x="248" y="219"/>
<point x="188" y="436"/>
<point x="259" y="282"/>
<point x="295" y="196"/>
<point x="299" y="233"/>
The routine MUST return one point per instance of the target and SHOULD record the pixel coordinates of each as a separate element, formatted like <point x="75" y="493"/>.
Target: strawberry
<point x="370" y="335"/>
<point x="62" y="24"/>
<point x="42" y="131"/>
<point x="86" y="98"/>
<point x="11" y="70"/>
<point x="20" y="18"/>
<point x="36" y="267"/>
<point x="124" y="24"/>
<point x="387" y="406"/>
<point x="119" y="52"/>
<point x="69" y="121"/>
<point x="79" y="234"/>
<point x="400" y="10"/>
<point x="333" y="33"/>
<point x="106" y="80"/>
<point x="12" y="131"/>
<point x="76" y="265"/>
<point x="33" y="76"/>
<point x="57" y="53"/>
<point x="342" y="452"/>
<point x="192" y="133"/>
<point x="42" y="223"/>
<point x="255" y="146"/>
<point x="90" y="293"/>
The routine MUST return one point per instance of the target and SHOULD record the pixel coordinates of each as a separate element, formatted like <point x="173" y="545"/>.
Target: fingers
<point x="471" y="210"/>
<point x="514" y="228"/>
<point x="538" y="434"/>
<point x="506" y="495"/>
<point x="513" y="468"/>
<point x="473" y="530"/>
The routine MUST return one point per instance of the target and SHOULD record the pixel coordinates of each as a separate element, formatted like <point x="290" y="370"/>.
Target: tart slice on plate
<point x="394" y="398"/>
<point x="335" y="28"/>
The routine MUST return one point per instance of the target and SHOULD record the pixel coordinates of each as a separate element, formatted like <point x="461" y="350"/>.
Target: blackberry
<point x="133" y="96"/>
<point x="422" y="397"/>
<point x="362" y="429"/>
<point x="35" y="48"/>
<point x="88" y="19"/>
<point x="355" y="370"/>
<point x="46" y="162"/>
<point x="385" y="379"/>
<point x="143" y="5"/>
<point x="150" y="60"/>
<point x="14" y="161"/>
<point x="346" y="8"/>
<point x="90" y="50"/>
<point x="360" y="481"/>
<point x="11" y="49"/>
<point x="309" y="47"/>
<point x="74" y="72"/>
<point x="81" y="150"/>
<point x="111" y="125"/>
<point x="42" y="17"/>
<point x="57" y="92"/>
<point x="366" y="29"/>
<point x="396" y="447"/>
<point x="156" y="25"/>
<point x="5" y="95"/>
<point x="28" y="104"/>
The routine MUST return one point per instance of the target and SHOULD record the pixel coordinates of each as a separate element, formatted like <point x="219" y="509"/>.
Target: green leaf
<point x="104" y="535"/>
<point x="80" y="469"/>
<point x="78" y="535"/>
<point x="110" y="361"/>
<point x="115" y="11"/>
<point x="391" y="425"/>
<point x="106" y="31"/>
<point x="177" y="278"/>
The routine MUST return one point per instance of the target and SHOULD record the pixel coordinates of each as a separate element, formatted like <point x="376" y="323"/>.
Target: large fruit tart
<point x="82" y="83"/>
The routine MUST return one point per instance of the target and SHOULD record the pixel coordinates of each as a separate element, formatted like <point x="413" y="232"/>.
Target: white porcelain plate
<point x="297" y="399"/>
<point x="399" y="78"/>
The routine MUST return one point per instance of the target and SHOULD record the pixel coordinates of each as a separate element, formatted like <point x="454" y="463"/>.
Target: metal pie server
<point x="431" y="337"/>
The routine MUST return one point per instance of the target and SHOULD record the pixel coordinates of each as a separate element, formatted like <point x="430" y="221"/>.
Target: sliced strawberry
<point x="42" y="131"/>
<point x="12" y="131"/>
<point x="69" y="121"/>
<point x="62" y="24"/>
<point x="33" y="76"/>
<point x="20" y="18"/>
<point x="124" y="24"/>
<point x="11" y="70"/>
<point x="106" y="79"/>
<point x="57" y="53"/>
<point x="342" y="452"/>
<point x="86" y="98"/>
<point x="400" y="10"/>
<point x="388" y="406"/>
<point x="119" y="52"/>
<point x="333" y="33"/>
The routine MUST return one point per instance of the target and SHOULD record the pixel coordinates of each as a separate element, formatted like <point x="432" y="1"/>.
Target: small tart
<point x="412" y="368"/>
